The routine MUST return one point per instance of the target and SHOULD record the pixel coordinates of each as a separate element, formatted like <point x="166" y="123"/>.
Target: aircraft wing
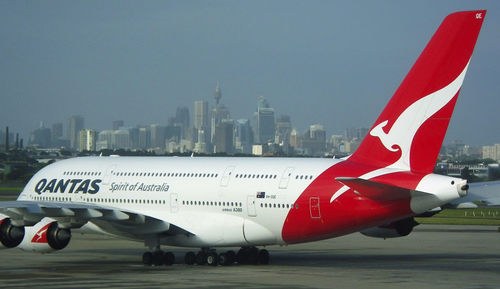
<point x="74" y="215"/>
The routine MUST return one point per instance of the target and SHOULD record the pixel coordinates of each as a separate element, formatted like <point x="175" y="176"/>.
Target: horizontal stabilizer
<point x="375" y="190"/>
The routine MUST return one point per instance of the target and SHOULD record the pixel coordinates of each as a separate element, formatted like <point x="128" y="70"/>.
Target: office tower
<point x="264" y="122"/>
<point x="41" y="137"/>
<point x="224" y="133"/>
<point x="75" y="125"/>
<point x="219" y="113"/>
<point x="158" y="136"/>
<point x="120" y="139"/>
<point x="88" y="140"/>
<point x="314" y="141"/>
<point x="283" y="131"/>
<point x="217" y="94"/>
<point x="104" y="140"/>
<point x="144" y="138"/>
<point x="201" y="114"/>
<point x="244" y="136"/>
<point x="117" y="124"/>
<point x="182" y="120"/>
<point x="57" y="132"/>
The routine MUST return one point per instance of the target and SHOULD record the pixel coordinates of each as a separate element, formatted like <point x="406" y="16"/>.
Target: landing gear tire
<point x="231" y="256"/>
<point x="212" y="259"/>
<point x="223" y="259"/>
<point x="147" y="258"/>
<point x="168" y="258"/>
<point x="189" y="258"/>
<point x="242" y="256"/>
<point x="158" y="258"/>
<point x="201" y="258"/>
<point x="253" y="255"/>
<point x="263" y="257"/>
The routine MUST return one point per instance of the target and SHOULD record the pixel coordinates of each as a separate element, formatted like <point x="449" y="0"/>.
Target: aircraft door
<point x="174" y="206"/>
<point x="108" y="175"/>
<point x="285" y="178"/>
<point x="251" y="207"/>
<point x="226" y="176"/>
<point x="314" y="208"/>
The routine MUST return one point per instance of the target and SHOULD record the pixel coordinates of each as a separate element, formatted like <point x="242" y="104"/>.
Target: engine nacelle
<point x="396" y="229"/>
<point x="10" y="235"/>
<point x="44" y="237"/>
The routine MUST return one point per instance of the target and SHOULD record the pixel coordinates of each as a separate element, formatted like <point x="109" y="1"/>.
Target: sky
<point x="335" y="63"/>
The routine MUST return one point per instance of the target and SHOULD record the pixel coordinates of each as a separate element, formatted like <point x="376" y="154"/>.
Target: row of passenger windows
<point x="103" y="200"/>
<point x="163" y="202"/>
<point x="279" y="206"/>
<point x="255" y="176"/>
<point x="303" y="177"/>
<point x="211" y="203"/>
<point x="188" y="175"/>
<point x="68" y="173"/>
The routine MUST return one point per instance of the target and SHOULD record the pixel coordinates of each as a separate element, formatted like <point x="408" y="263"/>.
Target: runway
<point x="431" y="257"/>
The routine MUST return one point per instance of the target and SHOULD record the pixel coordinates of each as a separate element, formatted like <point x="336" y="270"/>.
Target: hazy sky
<point x="335" y="63"/>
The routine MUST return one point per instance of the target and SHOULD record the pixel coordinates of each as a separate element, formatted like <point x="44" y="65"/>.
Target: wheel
<point x="223" y="259"/>
<point x="253" y="255"/>
<point x="147" y="258"/>
<point x="242" y="256"/>
<point x="190" y="258"/>
<point x="168" y="258"/>
<point x="231" y="256"/>
<point x="212" y="259"/>
<point x="263" y="257"/>
<point x="201" y="258"/>
<point x="158" y="258"/>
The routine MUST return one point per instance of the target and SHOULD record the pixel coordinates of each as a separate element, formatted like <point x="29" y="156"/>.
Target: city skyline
<point x="334" y="64"/>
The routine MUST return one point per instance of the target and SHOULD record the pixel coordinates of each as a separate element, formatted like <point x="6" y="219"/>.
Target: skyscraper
<point x="201" y="114"/>
<point x="57" y="132"/>
<point x="224" y="133"/>
<point x="88" y="140"/>
<point x="158" y="136"/>
<point x="182" y="120"/>
<point x="283" y="131"/>
<point x="75" y="125"/>
<point x="264" y="122"/>
<point x="244" y="136"/>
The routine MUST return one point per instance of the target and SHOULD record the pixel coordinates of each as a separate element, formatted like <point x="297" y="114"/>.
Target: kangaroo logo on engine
<point x="70" y="186"/>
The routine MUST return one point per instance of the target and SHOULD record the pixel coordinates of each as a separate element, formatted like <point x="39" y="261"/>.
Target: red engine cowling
<point x="45" y="237"/>
<point x="10" y="235"/>
<point x="396" y="229"/>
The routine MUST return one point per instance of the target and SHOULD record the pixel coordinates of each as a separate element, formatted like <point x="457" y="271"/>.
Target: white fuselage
<point x="221" y="201"/>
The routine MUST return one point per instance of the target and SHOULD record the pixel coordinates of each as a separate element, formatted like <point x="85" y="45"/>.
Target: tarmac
<point x="433" y="256"/>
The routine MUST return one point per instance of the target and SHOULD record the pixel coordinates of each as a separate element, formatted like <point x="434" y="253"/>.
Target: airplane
<point x="209" y="203"/>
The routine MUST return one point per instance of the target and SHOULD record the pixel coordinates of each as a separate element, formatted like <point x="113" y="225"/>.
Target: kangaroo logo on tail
<point x="402" y="132"/>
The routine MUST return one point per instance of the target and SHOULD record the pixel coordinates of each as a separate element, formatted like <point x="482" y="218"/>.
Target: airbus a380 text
<point x="204" y="202"/>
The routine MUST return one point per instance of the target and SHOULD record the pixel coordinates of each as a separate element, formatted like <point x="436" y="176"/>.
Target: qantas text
<point x="69" y="186"/>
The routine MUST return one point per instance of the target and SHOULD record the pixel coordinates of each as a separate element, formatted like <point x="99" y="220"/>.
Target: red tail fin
<point x="410" y="131"/>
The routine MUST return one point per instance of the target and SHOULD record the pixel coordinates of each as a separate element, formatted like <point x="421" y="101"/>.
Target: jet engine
<point x="44" y="237"/>
<point x="10" y="235"/>
<point x="396" y="229"/>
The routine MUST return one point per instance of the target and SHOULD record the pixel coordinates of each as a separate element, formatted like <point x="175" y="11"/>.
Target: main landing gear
<point x="246" y="255"/>
<point x="206" y="256"/>
<point x="158" y="258"/>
